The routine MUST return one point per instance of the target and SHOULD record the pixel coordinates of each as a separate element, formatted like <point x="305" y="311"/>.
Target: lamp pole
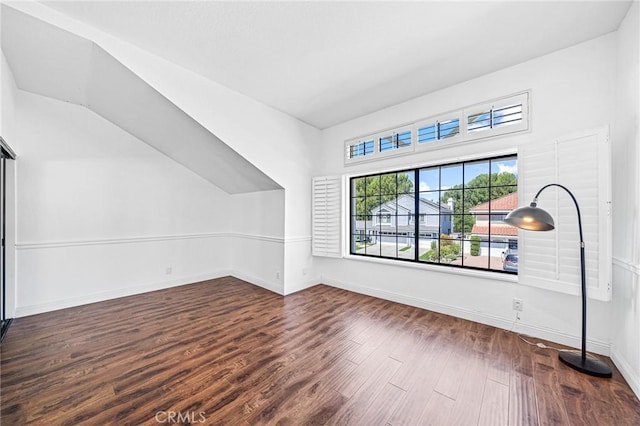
<point x="533" y="218"/>
<point x="583" y="277"/>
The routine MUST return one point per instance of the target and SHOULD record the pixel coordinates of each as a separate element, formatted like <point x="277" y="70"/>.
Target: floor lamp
<point x="533" y="218"/>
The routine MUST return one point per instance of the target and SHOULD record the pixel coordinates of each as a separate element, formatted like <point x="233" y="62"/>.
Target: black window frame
<point x="359" y="235"/>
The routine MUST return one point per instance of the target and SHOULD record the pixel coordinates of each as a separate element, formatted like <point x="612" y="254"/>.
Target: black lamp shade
<point x="531" y="218"/>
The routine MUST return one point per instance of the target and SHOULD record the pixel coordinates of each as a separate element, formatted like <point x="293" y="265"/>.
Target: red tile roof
<point x="496" y="230"/>
<point x="507" y="202"/>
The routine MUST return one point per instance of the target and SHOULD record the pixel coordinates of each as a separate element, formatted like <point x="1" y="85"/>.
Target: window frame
<point x="393" y="133"/>
<point x="437" y="120"/>
<point x="352" y="230"/>
<point x="495" y="105"/>
<point x="352" y="143"/>
<point x="463" y="136"/>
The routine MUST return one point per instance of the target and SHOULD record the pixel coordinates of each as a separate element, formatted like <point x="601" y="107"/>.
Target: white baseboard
<point x="632" y="377"/>
<point x="275" y="288"/>
<point x="22" y="311"/>
<point x="628" y="369"/>
<point x="598" y="347"/>
<point x="484" y="318"/>
<point x="305" y="285"/>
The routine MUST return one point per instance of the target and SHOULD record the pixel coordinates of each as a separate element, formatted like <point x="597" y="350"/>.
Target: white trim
<point x="275" y="288"/>
<point x="4" y="146"/>
<point x="103" y="296"/>
<point x="425" y="164"/>
<point x="627" y="265"/>
<point x="444" y="269"/>
<point x="626" y="369"/>
<point x="22" y="311"/>
<point x="269" y="239"/>
<point x="272" y="239"/>
<point x="303" y="239"/>
<point x="311" y="282"/>
<point x="157" y="238"/>
<point x="572" y="288"/>
<point x="552" y="335"/>
<point x="126" y="240"/>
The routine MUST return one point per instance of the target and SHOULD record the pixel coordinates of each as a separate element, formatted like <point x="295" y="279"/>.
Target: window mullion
<point x="391" y="204"/>
<point x="416" y="225"/>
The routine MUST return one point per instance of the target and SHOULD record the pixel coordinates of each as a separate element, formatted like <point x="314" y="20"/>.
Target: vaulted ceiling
<point x="52" y="62"/>
<point x="321" y="62"/>
<point x="327" y="62"/>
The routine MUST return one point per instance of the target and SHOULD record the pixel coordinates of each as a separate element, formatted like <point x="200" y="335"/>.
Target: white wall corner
<point x="626" y="368"/>
<point x="272" y="286"/>
<point x="298" y="265"/>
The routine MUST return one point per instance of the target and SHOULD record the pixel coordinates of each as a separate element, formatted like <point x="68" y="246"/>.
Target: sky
<point x="432" y="180"/>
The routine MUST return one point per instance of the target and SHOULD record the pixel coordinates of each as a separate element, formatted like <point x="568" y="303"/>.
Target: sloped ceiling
<point x="326" y="62"/>
<point x="49" y="61"/>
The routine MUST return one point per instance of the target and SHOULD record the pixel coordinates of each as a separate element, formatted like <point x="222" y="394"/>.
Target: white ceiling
<point x="328" y="62"/>
<point x="52" y="62"/>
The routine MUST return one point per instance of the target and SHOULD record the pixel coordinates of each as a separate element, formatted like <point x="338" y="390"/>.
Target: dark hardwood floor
<point x="226" y="352"/>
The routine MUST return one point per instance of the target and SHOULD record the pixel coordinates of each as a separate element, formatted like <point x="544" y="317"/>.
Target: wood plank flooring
<point x="226" y="352"/>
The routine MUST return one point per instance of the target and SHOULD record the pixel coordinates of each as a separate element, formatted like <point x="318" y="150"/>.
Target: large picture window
<point x="460" y="209"/>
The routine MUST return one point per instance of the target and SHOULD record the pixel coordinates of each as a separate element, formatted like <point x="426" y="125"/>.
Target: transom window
<point x="395" y="141"/>
<point x="494" y="118"/>
<point x="360" y="149"/>
<point x="460" y="209"/>
<point x="488" y="119"/>
<point x="438" y="131"/>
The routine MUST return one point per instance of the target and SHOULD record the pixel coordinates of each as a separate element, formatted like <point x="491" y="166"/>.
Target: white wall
<point x="274" y="142"/>
<point x="277" y="144"/>
<point x="102" y="214"/>
<point x="7" y="101"/>
<point x="8" y="132"/>
<point x="76" y="243"/>
<point x="625" y="346"/>
<point x="257" y="223"/>
<point x="571" y="90"/>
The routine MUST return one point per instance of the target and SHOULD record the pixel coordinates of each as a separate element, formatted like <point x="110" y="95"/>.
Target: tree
<point x="373" y="191"/>
<point x="475" y="245"/>
<point x="476" y="192"/>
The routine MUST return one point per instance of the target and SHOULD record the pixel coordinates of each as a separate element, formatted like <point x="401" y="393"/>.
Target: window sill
<point x="496" y="276"/>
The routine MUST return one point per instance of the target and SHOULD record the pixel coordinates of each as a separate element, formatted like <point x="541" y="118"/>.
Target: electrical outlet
<point x="278" y="275"/>
<point x="517" y="305"/>
<point x="169" y="270"/>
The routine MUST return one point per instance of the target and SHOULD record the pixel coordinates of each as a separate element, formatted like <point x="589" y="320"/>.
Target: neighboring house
<point x="490" y="224"/>
<point x="397" y="218"/>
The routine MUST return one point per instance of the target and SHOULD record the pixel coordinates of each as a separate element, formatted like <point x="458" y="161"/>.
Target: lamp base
<point x="590" y="366"/>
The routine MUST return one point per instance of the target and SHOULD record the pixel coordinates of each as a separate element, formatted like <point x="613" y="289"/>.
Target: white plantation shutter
<point x="551" y="259"/>
<point x="326" y="216"/>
